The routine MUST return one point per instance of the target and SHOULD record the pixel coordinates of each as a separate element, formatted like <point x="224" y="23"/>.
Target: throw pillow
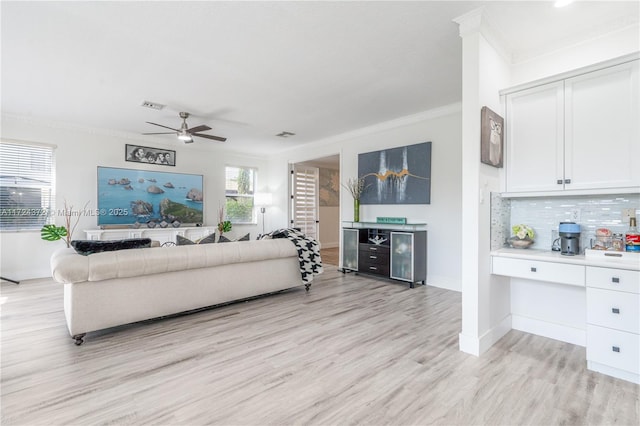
<point x="224" y="239"/>
<point x="182" y="241"/>
<point x="87" y="247"/>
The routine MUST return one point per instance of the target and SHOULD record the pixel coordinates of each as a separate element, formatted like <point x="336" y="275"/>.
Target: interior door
<point x="304" y="199"/>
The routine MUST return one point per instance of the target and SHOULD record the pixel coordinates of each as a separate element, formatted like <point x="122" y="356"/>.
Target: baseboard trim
<point x="442" y="281"/>
<point x="613" y="372"/>
<point x="329" y="245"/>
<point x="554" y="331"/>
<point x="479" y="345"/>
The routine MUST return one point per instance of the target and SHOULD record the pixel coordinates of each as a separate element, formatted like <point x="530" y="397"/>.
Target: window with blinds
<point x="240" y="183"/>
<point x="26" y="186"/>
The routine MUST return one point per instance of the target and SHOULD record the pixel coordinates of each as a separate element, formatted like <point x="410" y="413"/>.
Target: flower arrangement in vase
<point x="52" y="232"/>
<point x="523" y="236"/>
<point x="356" y="188"/>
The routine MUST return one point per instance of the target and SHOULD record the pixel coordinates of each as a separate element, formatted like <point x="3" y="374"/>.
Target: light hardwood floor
<point x="353" y="350"/>
<point x="330" y="256"/>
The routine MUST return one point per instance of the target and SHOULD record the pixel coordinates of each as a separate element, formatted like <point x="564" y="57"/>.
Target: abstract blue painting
<point x="397" y="175"/>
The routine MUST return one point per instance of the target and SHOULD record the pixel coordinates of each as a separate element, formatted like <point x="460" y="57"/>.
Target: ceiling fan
<point x="185" y="133"/>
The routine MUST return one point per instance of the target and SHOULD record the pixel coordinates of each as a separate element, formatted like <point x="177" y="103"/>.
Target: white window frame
<point x="251" y="196"/>
<point x="18" y="171"/>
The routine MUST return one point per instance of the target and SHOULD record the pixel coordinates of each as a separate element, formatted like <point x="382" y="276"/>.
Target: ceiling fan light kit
<point x="185" y="133"/>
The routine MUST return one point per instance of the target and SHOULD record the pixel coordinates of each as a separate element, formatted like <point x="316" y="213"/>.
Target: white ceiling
<point x="253" y="69"/>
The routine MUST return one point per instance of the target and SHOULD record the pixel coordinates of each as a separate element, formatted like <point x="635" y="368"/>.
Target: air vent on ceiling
<point x="285" y="134"/>
<point x="152" y="105"/>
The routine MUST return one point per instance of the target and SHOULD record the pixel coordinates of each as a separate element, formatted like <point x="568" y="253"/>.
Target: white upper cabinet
<point x="602" y="138"/>
<point x="535" y="128"/>
<point x="579" y="133"/>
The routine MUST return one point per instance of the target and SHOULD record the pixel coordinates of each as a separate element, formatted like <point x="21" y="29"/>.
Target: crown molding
<point x="385" y="125"/>
<point x="478" y="21"/>
<point x="53" y="124"/>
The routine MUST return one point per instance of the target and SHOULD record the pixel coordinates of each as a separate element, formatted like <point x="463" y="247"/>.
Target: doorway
<point x="315" y="203"/>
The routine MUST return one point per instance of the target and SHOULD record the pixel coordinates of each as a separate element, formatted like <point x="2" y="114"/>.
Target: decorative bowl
<point x="515" y="242"/>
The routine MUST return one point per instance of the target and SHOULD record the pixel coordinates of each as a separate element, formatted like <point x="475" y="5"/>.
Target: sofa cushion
<point x="87" y="247"/>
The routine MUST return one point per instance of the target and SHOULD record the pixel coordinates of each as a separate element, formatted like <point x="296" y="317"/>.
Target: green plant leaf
<point x="53" y="232"/>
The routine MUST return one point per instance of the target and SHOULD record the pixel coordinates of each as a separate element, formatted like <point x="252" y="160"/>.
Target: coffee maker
<point x="569" y="238"/>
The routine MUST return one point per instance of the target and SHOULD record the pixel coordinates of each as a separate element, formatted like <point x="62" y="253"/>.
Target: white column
<point x="485" y="298"/>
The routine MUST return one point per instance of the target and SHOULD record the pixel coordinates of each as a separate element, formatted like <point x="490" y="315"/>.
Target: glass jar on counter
<point x="617" y="243"/>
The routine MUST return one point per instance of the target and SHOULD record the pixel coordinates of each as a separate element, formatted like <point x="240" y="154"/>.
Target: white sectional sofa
<point x="119" y="287"/>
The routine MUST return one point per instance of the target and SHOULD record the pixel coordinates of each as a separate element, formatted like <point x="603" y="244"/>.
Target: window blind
<point x="26" y="186"/>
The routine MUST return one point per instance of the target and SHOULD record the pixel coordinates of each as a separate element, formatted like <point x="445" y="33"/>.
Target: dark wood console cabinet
<point x="396" y="252"/>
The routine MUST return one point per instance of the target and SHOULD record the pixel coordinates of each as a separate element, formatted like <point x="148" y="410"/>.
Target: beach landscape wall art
<point x="397" y="175"/>
<point x="129" y="197"/>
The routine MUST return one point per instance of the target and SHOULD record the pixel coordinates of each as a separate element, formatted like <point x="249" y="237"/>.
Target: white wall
<point x="443" y="215"/>
<point x="24" y="255"/>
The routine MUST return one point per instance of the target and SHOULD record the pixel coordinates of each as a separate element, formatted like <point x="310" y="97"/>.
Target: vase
<point x="356" y="210"/>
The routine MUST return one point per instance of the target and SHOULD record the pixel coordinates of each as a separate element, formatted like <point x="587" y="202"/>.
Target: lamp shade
<point x="262" y="199"/>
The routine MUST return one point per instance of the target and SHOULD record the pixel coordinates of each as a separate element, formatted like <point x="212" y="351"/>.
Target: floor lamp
<point x="263" y="200"/>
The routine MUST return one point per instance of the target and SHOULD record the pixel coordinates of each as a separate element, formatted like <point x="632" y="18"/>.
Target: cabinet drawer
<point x="541" y="271"/>
<point x="617" y="349"/>
<point x="613" y="309"/>
<point x="613" y="279"/>
<point x="374" y="248"/>
<point x="373" y="266"/>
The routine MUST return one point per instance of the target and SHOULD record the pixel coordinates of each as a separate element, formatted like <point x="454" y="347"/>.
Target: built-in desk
<point x="589" y="300"/>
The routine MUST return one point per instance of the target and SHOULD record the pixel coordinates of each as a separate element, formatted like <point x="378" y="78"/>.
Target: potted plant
<point x="223" y="225"/>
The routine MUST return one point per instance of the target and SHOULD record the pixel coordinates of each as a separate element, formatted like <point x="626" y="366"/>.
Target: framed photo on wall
<point x="145" y="154"/>
<point x="491" y="138"/>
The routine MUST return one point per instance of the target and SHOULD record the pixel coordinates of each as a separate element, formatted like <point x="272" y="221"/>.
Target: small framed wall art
<point x="491" y="138"/>
<point x="145" y="154"/>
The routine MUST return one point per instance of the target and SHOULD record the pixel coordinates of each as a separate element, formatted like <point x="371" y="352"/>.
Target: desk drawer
<point x="613" y="309"/>
<point x="613" y="279"/>
<point x="617" y="349"/>
<point x="541" y="271"/>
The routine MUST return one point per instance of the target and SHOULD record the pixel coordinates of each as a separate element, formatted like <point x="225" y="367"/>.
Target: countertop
<point x="630" y="261"/>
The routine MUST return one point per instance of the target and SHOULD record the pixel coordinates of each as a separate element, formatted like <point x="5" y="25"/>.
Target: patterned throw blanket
<point x="308" y="252"/>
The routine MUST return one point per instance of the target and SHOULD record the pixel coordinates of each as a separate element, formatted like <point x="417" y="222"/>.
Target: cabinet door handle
<point x="567" y="181"/>
<point x="534" y="269"/>
<point x="373" y="268"/>
<point x="615" y="348"/>
<point x="373" y="257"/>
<point x="559" y="181"/>
<point x="615" y="279"/>
<point x="615" y="310"/>
<point x="373" y="248"/>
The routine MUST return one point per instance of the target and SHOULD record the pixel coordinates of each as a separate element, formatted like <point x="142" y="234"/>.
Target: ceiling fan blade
<point x="201" y="128"/>
<point x="156" y="124"/>
<point x="215" y="138"/>
<point x="162" y="133"/>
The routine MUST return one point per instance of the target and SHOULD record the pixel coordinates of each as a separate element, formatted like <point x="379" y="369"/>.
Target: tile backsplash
<point x="544" y="214"/>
